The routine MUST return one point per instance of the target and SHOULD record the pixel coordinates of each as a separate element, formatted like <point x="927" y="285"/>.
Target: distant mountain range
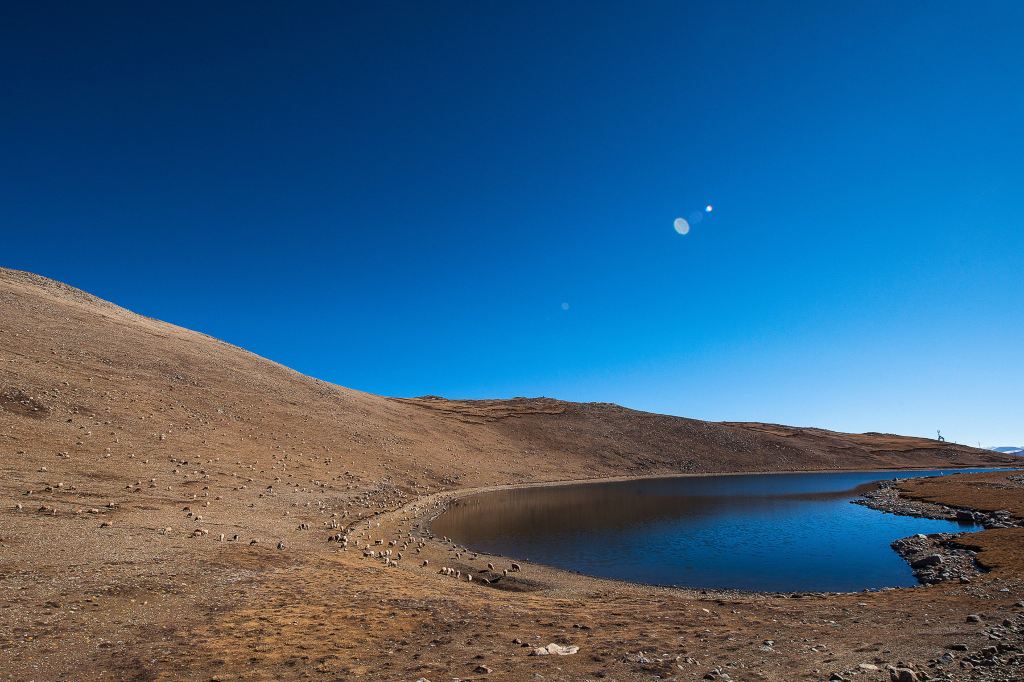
<point x="1010" y="449"/>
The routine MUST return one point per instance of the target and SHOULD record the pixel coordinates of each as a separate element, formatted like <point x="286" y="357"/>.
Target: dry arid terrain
<point x="173" y="507"/>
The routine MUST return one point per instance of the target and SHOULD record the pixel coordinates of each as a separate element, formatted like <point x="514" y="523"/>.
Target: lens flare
<point x="682" y="227"/>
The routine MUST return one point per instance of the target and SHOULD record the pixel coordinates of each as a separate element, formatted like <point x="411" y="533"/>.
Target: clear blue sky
<point x="400" y="198"/>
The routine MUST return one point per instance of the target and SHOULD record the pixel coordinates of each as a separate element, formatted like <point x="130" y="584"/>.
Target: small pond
<point x="765" y="532"/>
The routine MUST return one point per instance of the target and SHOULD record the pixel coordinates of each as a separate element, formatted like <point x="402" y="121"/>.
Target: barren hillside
<point x="85" y="377"/>
<point x="128" y="446"/>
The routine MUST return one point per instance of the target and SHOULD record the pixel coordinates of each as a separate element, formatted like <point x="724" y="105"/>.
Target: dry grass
<point x="988" y="491"/>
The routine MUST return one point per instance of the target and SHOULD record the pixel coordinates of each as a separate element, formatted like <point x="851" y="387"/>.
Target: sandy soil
<point x="128" y="446"/>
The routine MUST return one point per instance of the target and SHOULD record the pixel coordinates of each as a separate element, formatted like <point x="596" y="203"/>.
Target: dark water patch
<point x="779" y="532"/>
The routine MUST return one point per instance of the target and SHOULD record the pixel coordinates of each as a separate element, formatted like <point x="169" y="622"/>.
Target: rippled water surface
<point x="771" y="532"/>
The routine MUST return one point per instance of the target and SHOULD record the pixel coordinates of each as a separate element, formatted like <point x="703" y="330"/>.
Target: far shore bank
<point x="464" y="492"/>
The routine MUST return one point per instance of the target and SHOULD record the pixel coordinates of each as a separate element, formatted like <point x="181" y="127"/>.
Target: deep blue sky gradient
<point x="400" y="198"/>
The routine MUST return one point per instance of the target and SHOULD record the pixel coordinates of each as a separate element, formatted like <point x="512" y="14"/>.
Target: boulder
<point x="903" y="675"/>
<point x="925" y="562"/>
<point x="554" y="649"/>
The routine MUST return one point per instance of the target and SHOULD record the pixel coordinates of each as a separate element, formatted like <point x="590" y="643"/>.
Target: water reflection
<point x="761" y="532"/>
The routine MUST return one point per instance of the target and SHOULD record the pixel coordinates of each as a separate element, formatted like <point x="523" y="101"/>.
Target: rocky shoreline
<point x="940" y="557"/>
<point x="886" y="497"/>
<point x="936" y="557"/>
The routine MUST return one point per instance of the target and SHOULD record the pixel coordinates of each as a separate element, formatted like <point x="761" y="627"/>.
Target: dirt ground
<point x="129" y="446"/>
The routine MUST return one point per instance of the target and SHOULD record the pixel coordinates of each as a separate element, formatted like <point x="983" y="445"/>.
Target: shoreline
<point x="936" y="557"/>
<point x="887" y="498"/>
<point x="427" y="509"/>
<point x="973" y="626"/>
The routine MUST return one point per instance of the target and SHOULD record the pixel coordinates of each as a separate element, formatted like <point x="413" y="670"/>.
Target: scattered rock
<point x="554" y="649"/>
<point x="903" y="675"/>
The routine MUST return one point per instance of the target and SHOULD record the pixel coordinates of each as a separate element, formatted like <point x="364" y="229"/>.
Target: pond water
<point x="765" y="532"/>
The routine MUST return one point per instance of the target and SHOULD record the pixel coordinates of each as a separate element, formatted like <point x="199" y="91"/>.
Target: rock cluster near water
<point x="937" y="557"/>
<point x="886" y="498"/>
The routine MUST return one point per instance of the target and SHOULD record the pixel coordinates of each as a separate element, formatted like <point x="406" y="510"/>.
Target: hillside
<point x="127" y="444"/>
<point x="82" y="375"/>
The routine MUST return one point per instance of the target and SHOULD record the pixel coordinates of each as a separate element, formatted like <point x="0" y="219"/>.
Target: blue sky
<point x="400" y="198"/>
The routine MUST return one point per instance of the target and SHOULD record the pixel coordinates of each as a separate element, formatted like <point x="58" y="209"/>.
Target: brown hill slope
<point x="128" y="446"/>
<point x="83" y="376"/>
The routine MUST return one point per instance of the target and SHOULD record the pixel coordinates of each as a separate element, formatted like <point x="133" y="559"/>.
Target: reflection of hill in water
<point x="560" y="510"/>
